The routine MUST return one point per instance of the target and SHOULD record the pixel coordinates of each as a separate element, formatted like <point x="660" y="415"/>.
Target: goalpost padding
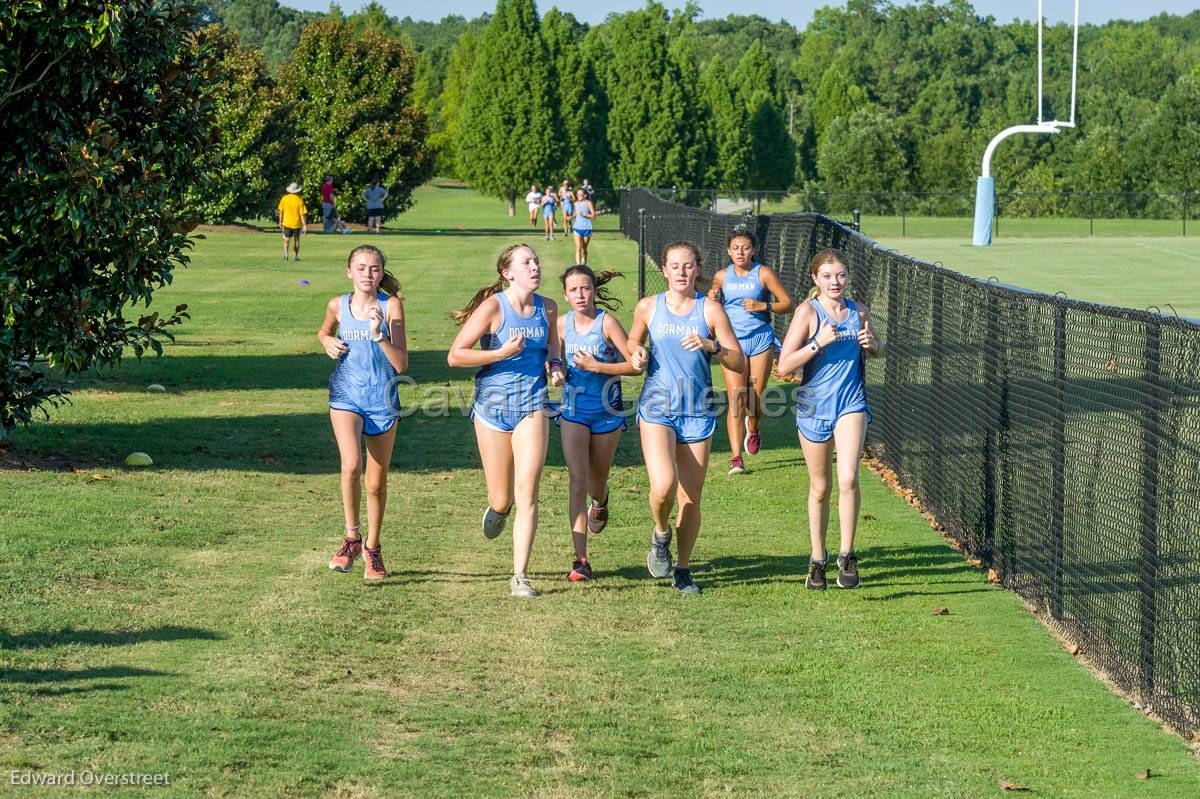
<point x="985" y="207"/>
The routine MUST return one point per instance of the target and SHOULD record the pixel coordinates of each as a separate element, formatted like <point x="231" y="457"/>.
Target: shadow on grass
<point x="40" y="639"/>
<point x="181" y="373"/>
<point x="38" y="676"/>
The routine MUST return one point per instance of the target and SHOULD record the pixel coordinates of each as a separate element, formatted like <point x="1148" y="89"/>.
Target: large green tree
<point x="728" y="129"/>
<point x="265" y="25"/>
<point x="580" y="96"/>
<point x="512" y="134"/>
<point x="863" y="153"/>
<point x="458" y="77"/>
<point x="255" y="151"/>
<point x="652" y="130"/>
<point x="106" y="113"/>
<point x="356" y="118"/>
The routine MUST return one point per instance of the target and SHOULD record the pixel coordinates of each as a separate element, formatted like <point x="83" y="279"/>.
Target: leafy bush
<point x="106" y="111"/>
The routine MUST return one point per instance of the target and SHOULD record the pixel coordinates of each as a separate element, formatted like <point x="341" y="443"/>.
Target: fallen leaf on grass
<point x="941" y="612"/>
<point x="1012" y="786"/>
<point x="868" y="517"/>
<point x="101" y="477"/>
<point x="993" y="576"/>
<point x="975" y="563"/>
<point x="1074" y="649"/>
<point x="1144" y="775"/>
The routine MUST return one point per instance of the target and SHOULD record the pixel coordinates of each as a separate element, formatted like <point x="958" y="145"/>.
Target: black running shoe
<point x="580" y="570"/>
<point x="816" y="575"/>
<point x="683" y="582"/>
<point x="847" y="571"/>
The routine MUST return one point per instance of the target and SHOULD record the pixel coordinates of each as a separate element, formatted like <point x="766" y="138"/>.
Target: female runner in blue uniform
<point x="592" y="413"/>
<point x="567" y="199"/>
<point x="364" y="332"/>
<point x="582" y="226"/>
<point x="676" y="415"/>
<point x="549" y="203"/>
<point x="828" y="336"/>
<point x="515" y="329"/>
<point x="752" y="292"/>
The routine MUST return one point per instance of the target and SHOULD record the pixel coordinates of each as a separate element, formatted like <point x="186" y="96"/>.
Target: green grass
<point x="181" y="618"/>
<point x="1130" y="272"/>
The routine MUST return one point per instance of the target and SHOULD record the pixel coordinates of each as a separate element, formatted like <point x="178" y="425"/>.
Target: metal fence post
<point x="903" y="215"/>
<point x="937" y="361"/>
<point x="1185" y="213"/>
<point x="1057" y="459"/>
<point x="1091" y="213"/>
<point x="891" y="368"/>
<point x="641" y="253"/>
<point x="995" y="386"/>
<point x="1147" y="572"/>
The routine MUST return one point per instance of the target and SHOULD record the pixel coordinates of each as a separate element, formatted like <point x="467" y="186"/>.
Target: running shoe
<point x="297" y="258"/>
<point x="374" y="562"/>
<point x="519" y="585"/>
<point x="580" y="570"/>
<point x="683" y="582"/>
<point x="753" y="441"/>
<point x="597" y="517"/>
<point x="737" y="465"/>
<point x="816" y="575"/>
<point x="847" y="571"/>
<point x="349" y="551"/>
<point x="659" y="560"/>
<point x="285" y="256"/>
<point x="493" y="523"/>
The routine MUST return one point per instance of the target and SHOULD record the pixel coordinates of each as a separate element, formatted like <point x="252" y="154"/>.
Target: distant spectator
<point x="533" y="200"/>
<point x="587" y="189"/>
<point x="293" y="219"/>
<point x="327" y="206"/>
<point x="375" y="195"/>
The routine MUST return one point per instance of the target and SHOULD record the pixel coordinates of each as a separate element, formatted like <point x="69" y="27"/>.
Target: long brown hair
<point x="702" y="281"/>
<point x="603" y="298"/>
<point x="829" y="256"/>
<point x="389" y="284"/>
<point x="503" y="262"/>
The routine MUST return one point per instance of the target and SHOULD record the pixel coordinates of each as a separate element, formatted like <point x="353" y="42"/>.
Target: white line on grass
<point x="1172" y="252"/>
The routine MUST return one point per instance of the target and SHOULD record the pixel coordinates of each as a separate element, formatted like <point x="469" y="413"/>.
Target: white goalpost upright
<point x="985" y="186"/>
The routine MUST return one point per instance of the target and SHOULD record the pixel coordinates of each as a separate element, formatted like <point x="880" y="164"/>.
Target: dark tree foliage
<point x="256" y="152"/>
<point x="106" y="112"/>
<point x="265" y="25"/>
<point x="356" y="118"/>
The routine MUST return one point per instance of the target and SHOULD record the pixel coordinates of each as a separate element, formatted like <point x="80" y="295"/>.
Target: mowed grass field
<point x="181" y="618"/>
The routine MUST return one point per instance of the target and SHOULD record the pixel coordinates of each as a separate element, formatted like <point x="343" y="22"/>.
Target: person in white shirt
<point x="534" y="200"/>
<point x="375" y="195"/>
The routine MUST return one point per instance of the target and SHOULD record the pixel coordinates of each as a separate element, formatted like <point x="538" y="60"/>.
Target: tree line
<point x="869" y="97"/>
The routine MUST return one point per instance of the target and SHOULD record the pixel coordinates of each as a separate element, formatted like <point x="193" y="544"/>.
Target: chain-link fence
<point x="1058" y="441"/>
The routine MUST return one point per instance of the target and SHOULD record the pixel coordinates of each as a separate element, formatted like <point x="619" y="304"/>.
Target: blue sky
<point x="798" y="12"/>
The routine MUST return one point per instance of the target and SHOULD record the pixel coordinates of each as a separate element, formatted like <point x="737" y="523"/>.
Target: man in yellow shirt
<point x="293" y="219"/>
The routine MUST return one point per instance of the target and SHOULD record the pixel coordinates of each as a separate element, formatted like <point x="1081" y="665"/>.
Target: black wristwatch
<point x="716" y="344"/>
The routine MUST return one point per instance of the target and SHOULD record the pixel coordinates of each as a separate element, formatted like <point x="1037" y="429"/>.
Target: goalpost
<point x="985" y="186"/>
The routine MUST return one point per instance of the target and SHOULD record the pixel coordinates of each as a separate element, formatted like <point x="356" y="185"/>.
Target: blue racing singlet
<point x="587" y="393"/>
<point x="833" y="381"/>
<point x="745" y="287"/>
<point x="362" y="381"/>
<point x="678" y="382"/>
<point x="517" y="384"/>
<point x="582" y="224"/>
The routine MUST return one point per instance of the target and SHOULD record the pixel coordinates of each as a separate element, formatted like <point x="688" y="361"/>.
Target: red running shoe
<point x="343" y="561"/>
<point x="374" y="558"/>
<point x="753" y="441"/>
